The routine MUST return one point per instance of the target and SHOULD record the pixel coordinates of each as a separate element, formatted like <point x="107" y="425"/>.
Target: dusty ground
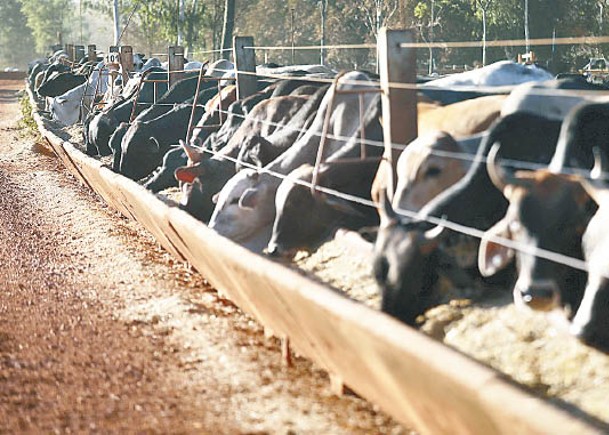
<point x="100" y="330"/>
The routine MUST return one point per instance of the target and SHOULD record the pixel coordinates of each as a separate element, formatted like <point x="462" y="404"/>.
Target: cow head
<point x="423" y="174"/>
<point x="305" y="219"/>
<point x="141" y="153"/>
<point x="404" y="264"/>
<point x="546" y="211"/>
<point x="244" y="205"/>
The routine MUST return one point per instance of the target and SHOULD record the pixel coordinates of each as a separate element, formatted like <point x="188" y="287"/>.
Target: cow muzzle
<point x="538" y="295"/>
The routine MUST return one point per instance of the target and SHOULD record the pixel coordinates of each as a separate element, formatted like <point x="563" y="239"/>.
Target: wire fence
<point x="463" y="156"/>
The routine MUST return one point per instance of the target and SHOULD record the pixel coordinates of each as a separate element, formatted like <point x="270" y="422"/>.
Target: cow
<point x="66" y="108"/>
<point x="553" y="99"/>
<point x="304" y="219"/>
<point x="470" y="84"/>
<point x="245" y="204"/>
<point x="584" y="128"/>
<point x="464" y="118"/>
<point x="546" y="211"/>
<point x="99" y="127"/>
<point x="591" y="321"/>
<point x="163" y="177"/>
<point x="408" y="253"/>
<point x="146" y="142"/>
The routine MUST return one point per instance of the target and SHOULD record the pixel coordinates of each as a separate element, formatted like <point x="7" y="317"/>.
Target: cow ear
<point x="386" y="213"/>
<point x="249" y="199"/>
<point x="185" y="174"/>
<point x="493" y="256"/>
<point x="215" y="198"/>
<point x="155" y="146"/>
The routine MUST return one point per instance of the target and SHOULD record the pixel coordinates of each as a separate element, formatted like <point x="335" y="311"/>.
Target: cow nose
<point x="539" y="296"/>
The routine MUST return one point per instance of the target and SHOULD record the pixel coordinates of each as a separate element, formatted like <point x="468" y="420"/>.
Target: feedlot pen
<point x="414" y="378"/>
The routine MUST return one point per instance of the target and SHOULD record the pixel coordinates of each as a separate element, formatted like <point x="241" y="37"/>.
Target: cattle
<point x="146" y="142"/>
<point x="428" y="165"/>
<point x="585" y="127"/>
<point x="53" y="69"/>
<point x="245" y="205"/>
<point x="463" y="118"/>
<point x="60" y="84"/>
<point x="553" y="99"/>
<point x="115" y="144"/>
<point x="409" y="255"/>
<point x="266" y="118"/>
<point x="304" y="219"/>
<point x="100" y="126"/>
<point x="466" y="85"/>
<point x="546" y="211"/>
<point x="66" y="108"/>
<point x="163" y="177"/>
<point x="69" y="107"/>
<point x="591" y="321"/>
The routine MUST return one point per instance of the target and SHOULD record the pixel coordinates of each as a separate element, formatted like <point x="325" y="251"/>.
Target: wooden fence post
<point x="126" y="59"/>
<point x="245" y="63"/>
<point x="397" y="65"/>
<point x="69" y="49"/>
<point x="176" y="63"/>
<point x="79" y="52"/>
<point x="92" y="53"/>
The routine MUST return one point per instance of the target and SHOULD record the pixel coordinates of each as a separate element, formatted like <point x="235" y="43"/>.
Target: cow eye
<point x="432" y="172"/>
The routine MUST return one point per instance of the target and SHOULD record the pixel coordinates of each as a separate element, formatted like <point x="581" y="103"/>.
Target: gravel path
<point x="101" y="330"/>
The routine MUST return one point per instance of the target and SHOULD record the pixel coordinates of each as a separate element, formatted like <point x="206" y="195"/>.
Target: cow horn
<point x="193" y="154"/>
<point x="386" y="213"/>
<point x="498" y="176"/>
<point x="600" y="165"/>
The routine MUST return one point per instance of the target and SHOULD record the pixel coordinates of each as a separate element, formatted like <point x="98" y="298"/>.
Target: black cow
<point x="60" y="84"/>
<point x="303" y="219"/>
<point x="146" y="142"/>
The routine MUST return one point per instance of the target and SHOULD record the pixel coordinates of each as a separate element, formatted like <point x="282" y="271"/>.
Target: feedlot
<point x="175" y="308"/>
<point x="101" y="330"/>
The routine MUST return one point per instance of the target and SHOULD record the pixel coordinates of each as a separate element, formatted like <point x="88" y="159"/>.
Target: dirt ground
<point x="102" y="331"/>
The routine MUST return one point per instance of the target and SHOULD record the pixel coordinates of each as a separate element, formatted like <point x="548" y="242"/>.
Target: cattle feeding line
<point x="555" y="257"/>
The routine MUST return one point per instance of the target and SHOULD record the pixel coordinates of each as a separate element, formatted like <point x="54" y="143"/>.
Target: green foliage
<point x="16" y="43"/>
<point x="27" y="122"/>
<point x="47" y="19"/>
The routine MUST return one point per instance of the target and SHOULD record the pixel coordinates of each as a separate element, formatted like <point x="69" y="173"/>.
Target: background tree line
<point x="31" y="26"/>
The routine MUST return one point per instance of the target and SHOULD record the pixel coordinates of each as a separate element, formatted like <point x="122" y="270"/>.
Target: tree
<point x="484" y="6"/>
<point x="48" y="19"/>
<point x="15" y="37"/>
<point x="227" y="30"/>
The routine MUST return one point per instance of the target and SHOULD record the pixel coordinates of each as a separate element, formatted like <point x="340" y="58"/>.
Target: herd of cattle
<point x="527" y="167"/>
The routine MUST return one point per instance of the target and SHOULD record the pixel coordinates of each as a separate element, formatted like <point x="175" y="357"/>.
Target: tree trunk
<point x="526" y="26"/>
<point x="227" y="31"/>
<point x="324" y="10"/>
